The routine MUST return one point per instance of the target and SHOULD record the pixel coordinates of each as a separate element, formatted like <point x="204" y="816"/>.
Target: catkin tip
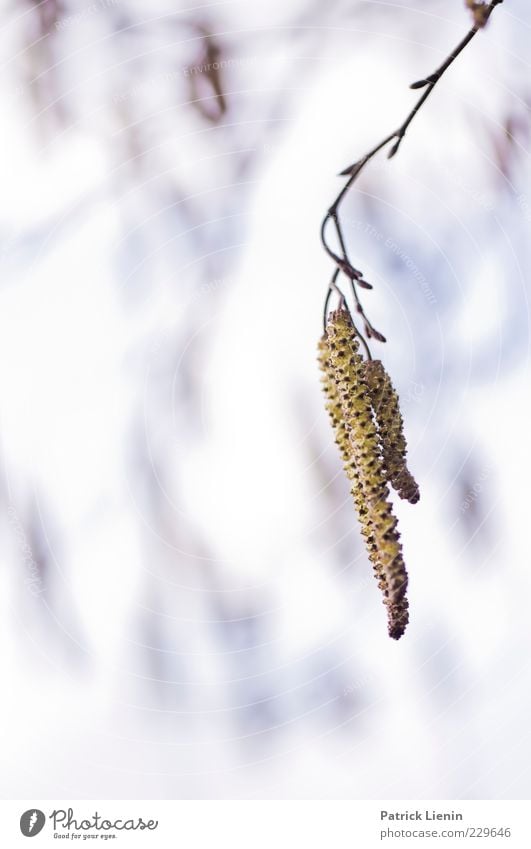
<point x="398" y="621"/>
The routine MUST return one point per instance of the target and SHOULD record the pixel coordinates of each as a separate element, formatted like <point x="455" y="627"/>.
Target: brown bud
<point x="480" y="12"/>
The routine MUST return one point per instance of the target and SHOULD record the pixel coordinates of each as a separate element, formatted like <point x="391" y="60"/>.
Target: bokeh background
<point x="186" y="607"/>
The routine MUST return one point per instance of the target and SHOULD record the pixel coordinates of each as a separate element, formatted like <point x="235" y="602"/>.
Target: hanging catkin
<point x="386" y="408"/>
<point x="349" y="406"/>
<point x="361" y="400"/>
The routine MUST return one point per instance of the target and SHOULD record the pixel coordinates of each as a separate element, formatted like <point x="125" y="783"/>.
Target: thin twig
<point x="333" y="287"/>
<point x="342" y="262"/>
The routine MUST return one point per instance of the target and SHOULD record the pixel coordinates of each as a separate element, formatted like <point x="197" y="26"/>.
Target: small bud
<point x="431" y="80"/>
<point x="349" y="270"/>
<point x="419" y="84"/>
<point x="347" y="172"/>
<point x="480" y="12"/>
<point x="394" y="149"/>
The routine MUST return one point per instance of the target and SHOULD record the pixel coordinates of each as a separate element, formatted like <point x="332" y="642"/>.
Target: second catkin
<point x="386" y="408"/>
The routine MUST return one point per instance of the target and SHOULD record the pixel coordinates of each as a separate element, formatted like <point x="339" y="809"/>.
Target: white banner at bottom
<point x="266" y="824"/>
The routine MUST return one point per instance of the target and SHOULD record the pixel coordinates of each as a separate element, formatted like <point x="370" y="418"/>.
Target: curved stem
<point x="353" y="171"/>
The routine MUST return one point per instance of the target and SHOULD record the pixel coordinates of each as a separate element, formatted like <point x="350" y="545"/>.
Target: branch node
<point x="348" y="172"/>
<point x="395" y="148"/>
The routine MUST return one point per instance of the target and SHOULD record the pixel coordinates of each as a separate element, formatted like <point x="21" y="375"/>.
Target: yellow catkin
<point x="386" y="408"/>
<point x="349" y="405"/>
<point x="342" y="439"/>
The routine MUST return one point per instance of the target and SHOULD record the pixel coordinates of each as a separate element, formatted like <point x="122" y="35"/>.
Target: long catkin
<point x="342" y="439"/>
<point x="349" y="405"/>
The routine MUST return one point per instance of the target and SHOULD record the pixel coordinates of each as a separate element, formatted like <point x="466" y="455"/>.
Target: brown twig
<point x="342" y="262"/>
